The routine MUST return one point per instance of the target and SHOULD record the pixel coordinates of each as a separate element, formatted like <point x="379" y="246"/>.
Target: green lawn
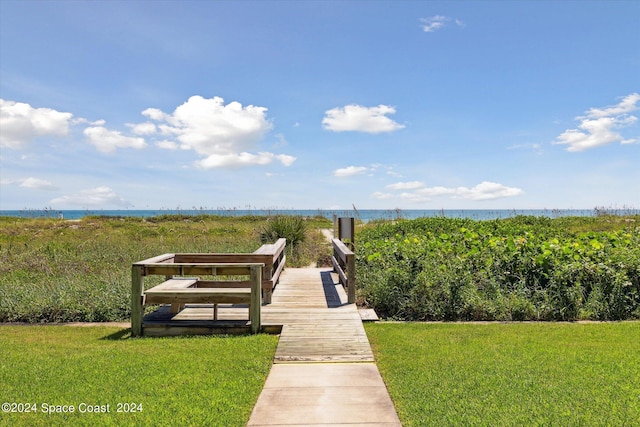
<point x="518" y="374"/>
<point x="195" y="381"/>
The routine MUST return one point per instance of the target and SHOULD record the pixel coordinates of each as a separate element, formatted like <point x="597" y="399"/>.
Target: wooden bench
<point x="172" y="284"/>
<point x="177" y="292"/>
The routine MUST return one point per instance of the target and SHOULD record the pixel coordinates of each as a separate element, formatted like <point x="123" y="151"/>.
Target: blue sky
<point x="319" y="104"/>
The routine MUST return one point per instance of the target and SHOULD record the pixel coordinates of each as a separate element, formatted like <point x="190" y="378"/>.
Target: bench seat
<point x="178" y="292"/>
<point x="199" y="295"/>
<point x="176" y="283"/>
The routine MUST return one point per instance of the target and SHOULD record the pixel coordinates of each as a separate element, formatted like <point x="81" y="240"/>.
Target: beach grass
<point x="59" y="271"/>
<point x="514" y="374"/>
<point x="212" y="380"/>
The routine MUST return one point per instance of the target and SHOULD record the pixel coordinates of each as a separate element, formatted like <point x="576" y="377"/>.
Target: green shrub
<point x="523" y="268"/>
<point x="292" y="228"/>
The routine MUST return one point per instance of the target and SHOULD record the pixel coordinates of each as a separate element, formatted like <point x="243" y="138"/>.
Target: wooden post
<point x="256" y="301"/>
<point x="137" y="309"/>
<point x="346" y="231"/>
<point x="268" y="275"/>
<point x="351" y="278"/>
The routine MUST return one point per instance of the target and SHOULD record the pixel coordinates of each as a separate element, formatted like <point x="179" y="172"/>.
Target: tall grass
<point x="56" y="271"/>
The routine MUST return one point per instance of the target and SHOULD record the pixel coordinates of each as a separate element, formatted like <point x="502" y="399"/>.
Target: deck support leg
<point x="137" y="307"/>
<point x="267" y="296"/>
<point x="255" y="306"/>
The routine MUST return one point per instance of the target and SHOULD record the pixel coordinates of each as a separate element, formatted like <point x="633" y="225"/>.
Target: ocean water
<point x="365" y="215"/>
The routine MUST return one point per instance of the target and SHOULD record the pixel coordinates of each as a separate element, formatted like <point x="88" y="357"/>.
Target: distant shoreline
<point x="365" y="215"/>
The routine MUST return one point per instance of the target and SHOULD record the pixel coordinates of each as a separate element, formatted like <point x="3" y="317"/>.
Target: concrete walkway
<point x="323" y="373"/>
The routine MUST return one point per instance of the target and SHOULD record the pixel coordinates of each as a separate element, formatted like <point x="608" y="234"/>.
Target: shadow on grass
<point x="122" y="334"/>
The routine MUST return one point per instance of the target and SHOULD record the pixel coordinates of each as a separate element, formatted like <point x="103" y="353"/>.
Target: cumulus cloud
<point x="484" y="191"/>
<point x="599" y="126"/>
<point x="106" y="141"/>
<point x="243" y="159"/>
<point x="37" y="184"/>
<point x="167" y="145"/>
<point x="226" y="135"/>
<point x="32" y="183"/>
<point x="21" y="123"/>
<point x="406" y="185"/>
<point x="437" y="22"/>
<point x="146" y="128"/>
<point x="360" y="119"/>
<point x="96" y="197"/>
<point x="350" y="171"/>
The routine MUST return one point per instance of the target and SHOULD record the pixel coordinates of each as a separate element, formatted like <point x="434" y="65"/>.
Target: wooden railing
<point x="268" y="259"/>
<point x="344" y="263"/>
<point x="274" y="260"/>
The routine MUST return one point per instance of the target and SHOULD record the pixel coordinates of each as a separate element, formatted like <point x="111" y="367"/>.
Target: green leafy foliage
<point x="292" y="228"/>
<point x="523" y="268"/>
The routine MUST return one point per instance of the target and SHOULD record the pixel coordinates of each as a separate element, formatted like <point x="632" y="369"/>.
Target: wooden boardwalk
<point x="324" y="372"/>
<point x="317" y="323"/>
<point x="308" y="308"/>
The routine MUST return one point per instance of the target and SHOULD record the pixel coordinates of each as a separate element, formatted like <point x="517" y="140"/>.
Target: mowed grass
<point x="561" y="374"/>
<point x="186" y="381"/>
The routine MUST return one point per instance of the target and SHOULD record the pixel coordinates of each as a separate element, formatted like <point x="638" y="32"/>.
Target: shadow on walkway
<point x="330" y="291"/>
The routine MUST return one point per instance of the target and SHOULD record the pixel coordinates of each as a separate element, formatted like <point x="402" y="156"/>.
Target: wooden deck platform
<point x="308" y="308"/>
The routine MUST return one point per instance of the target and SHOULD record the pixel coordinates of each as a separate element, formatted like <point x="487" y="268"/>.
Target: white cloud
<point x="437" y="22"/>
<point x="487" y="191"/>
<point x="349" y="171"/>
<point x="484" y="191"/>
<point x="106" y="141"/>
<point x="599" y="126"/>
<point x="37" y="184"/>
<point x="225" y="135"/>
<point x="440" y="191"/>
<point x="96" y="197"/>
<point x="21" y="123"/>
<point x="243" y="159"/>
<point x="412" y="185"/>
<point x="627" y="105"/>
<point x="360" y="119"/>
<point x="210" y="127"/>
<point x="433" y="23"/>
<point x="146" y="128"/>
<point x="155" y="114"/>
<point x="81" y="120"/>
<point x="167" y="145"/>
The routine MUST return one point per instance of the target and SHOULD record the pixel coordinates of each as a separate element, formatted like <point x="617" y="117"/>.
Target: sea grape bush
<point x="523" y="268"/>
